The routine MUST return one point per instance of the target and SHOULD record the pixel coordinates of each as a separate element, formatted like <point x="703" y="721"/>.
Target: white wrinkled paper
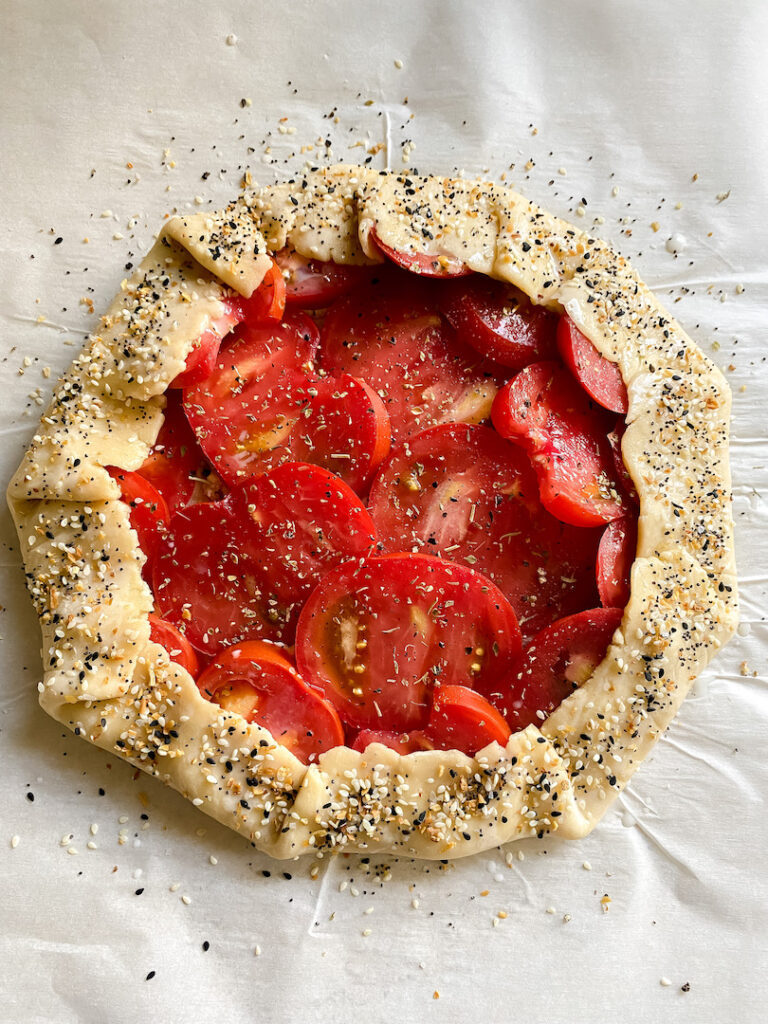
<point x="643" y="120"/>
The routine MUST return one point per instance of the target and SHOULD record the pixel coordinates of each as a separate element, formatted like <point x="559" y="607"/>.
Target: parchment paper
<point x="645" y="119"/>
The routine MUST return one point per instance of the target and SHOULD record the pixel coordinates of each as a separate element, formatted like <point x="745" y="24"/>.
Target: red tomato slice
<point x="244" y="412"/>
<point x="202" y="359"/>
<point x="175" y="458"/>
<point x="207" y="579"/>
<point x="500" y="322"/>
<point x="268" y="301"/>
<point x="376" y="636"/>
<point x="557" y="661"/>
<point x="544" y="410"/>
<point x="622" y="473"/>
<point x="345" y="429"/>
<point x="599" y="377"/>
<point x="308" y="521"/>
<point x="614" y="561"/>
<point x="464" y="720"/>
<point x="149" y="513"/>
<point x="399" y="741"/>
<point x="390" y="334"/>
<point x="176" y="644"/>
<point x="257" y="681"/>
<point x="314" y="284"/>
<point x="465" y="494"/>
<point x="422" y="263"/>
<point x="242" y="568"/>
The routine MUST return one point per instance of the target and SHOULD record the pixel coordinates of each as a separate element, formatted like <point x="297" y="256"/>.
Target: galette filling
<point x="388" y="504"/>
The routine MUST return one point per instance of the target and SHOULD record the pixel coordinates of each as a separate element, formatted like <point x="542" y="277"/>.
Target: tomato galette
<point x="382" y="511"/>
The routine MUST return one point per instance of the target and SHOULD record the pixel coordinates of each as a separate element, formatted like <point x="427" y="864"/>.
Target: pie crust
<point x="106" y="681"/>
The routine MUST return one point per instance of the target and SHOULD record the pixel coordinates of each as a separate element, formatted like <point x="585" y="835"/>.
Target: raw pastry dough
<point x="104" y="679"/>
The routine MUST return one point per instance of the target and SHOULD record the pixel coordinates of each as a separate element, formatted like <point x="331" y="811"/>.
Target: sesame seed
<point x="15" y="840"/>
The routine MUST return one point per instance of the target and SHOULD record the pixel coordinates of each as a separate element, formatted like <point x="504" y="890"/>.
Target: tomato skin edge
<point x="165" y="633"/>
<point x="544" y="411"/>
<point x="236" y="664"/>
<point x="459" y="708"/>
<point x="615" y="557"/>
<point x="267" y="301"/>
<point x="539" y="689"/>
<point x="476" y="311"/>
<point x="600" y="378"/>
<point x="422" y="264"/>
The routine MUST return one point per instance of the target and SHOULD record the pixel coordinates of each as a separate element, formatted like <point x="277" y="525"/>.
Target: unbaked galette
<point x="382" y="512"/>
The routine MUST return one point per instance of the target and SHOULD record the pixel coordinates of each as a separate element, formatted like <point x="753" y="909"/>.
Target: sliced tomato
<point x="202" y="359"/>
<point x="244" y="412"/>
<point x="175" y="643"/>
<point x="345" y="429"/>
<point x="462" y="719"/>
<point x="149" y="513"/>
<point x="622" y="473"/>
<point x="467" y="495"/>
<point x="599" y="377"/>
<point x="402" y="742"/>
<point x="256" y="680"/>
<point x="391" y="335"/>
<point x="208" y="580"/>
<point x="314" y="284"/>
<point x="307" y="522"/>
<point x="500" y="322"/>
<point x="376" y="636"/>
<point x="614" y="561"/>
<point x="558" y="661"/>
<point x="242" y="568"/>
<point x="544" y="410"/>
<point x="268" y="301"/>
<point x="176" y="458"/>
<point x="425" y="264"/>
